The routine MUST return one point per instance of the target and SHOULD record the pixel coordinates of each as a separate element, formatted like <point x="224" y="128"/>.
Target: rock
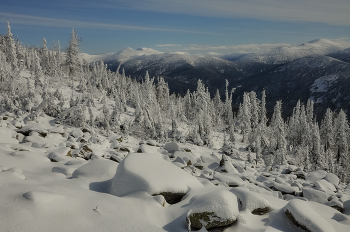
<point x="336" y="204"/>
<point x="186" y="156"/>
<point x="85" y="152"/>
<point x="76" y="133"/>
<point x="283" y="188"/>
<point x="199" y="165"/>
<point x="316" y="175"/>
<point x="126" y="149"/>
<point x="324" y="185"/>
<point x="172" y="147"/>
<point x="303" y="216"/>
<point x="232" y="180"/>
<point x="171" y="198"/>
<point x="133" y="175"/>
<point x="315" y="195"/>
<point x="252" y="202"/>
<point x="85" y="130"/>
<point x="332" y="178"/>
<point x="300" y="174"/>
<point x="213" y="209"/>
<point x="116" y="158"/>
<point x="292" y="168"/>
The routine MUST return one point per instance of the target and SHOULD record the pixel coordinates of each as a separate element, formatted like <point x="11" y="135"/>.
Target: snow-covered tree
<point x="72" y="59"/>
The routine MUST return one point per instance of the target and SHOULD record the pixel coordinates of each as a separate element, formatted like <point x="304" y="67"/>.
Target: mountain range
<point x="317" y="70"/>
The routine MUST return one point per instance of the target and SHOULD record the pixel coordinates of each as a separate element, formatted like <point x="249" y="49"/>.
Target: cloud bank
<point x="221" y="50"/>
<point x="324" y="11"/>
<point x="55" y="22"/>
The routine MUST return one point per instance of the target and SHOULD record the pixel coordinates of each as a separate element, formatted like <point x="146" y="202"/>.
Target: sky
<point x="193" y="26"/>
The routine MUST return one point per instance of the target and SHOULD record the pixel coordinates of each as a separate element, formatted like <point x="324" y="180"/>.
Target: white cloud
<point x="55" y="22"/>
<point x="168" y="45"/>
<point x="324" y="11"/>
<point x="226" y="49"/>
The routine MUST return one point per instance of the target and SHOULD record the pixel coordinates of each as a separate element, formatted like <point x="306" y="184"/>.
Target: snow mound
<point x="8" y="136"/>
<point x="96" y="169"/>
<point x="315" y="195"/>
<point x="42" y="197"/>
<point x="172" y="147"/>
<point x="332" y="178"/>
<point x="213" y="209"/>
<point x="233" y="180"/>
<point x="59" y="154"/>
<point x="302" y="215"/>
<point x="134" y="175"/>
<point x="316" y="175"/>
<point x="250" y="201"/>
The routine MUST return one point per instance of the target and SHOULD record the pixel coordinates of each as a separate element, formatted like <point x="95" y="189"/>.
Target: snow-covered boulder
<point x="315" y="195"/>
<point x="32" y="126"/>
<point x="233" y="180"/>
<point x="332" y="178"/>
<point x="250" y="201"/>
<point x="213" y="209"/>
<point x="172" y="147"/>
<point x="150" y="173"/>
<point x="8" y="136"/>
<point x="303" y="216"/>
<point x="186" y="156"/>
<point x="316" y="175"/>
<point x="325" y="186"/>
<point x="336" y="204"/>
<point x="59" y="154"/>
<point x="283" y="188"/>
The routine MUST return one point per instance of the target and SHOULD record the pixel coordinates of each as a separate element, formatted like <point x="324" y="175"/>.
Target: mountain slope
<point x="182" y="68"/>
<point x="296" y="80"/>
<point x="285" y="54"/>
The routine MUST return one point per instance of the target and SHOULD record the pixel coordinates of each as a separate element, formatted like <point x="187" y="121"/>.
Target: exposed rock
<point x="85" y="130"/>
<point x="213" y="209"/>
<point x="171" y="198"/>
<point x="124" y="149"/>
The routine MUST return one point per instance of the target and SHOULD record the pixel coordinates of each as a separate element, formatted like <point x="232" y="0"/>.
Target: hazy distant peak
<point x="317" y="47"/>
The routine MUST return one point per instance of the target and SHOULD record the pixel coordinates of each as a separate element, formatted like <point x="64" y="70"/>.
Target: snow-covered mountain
<point x="129" y="53"/>
<point x="286" y="72"/>
<point x="93" y="58"/>
<point x="296" y="80"/>
<point x="282" y="55"/>
<point x="180" y="69"/>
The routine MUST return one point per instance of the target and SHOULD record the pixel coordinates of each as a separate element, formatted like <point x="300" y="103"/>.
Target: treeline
<point x="300" y="137"/>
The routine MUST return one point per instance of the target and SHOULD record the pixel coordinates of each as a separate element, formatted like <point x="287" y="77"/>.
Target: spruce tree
<point x="72" y="59"/>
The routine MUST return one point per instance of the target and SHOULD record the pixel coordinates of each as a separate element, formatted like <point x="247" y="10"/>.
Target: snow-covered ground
<point x="132" y="185"/>
<point x="55" y="177"/>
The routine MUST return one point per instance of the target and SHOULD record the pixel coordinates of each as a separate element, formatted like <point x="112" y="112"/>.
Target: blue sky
<point x="194" y="26"/>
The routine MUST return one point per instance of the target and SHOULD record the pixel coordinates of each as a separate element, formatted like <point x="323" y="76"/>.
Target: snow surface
<point x="45" y="187"/>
